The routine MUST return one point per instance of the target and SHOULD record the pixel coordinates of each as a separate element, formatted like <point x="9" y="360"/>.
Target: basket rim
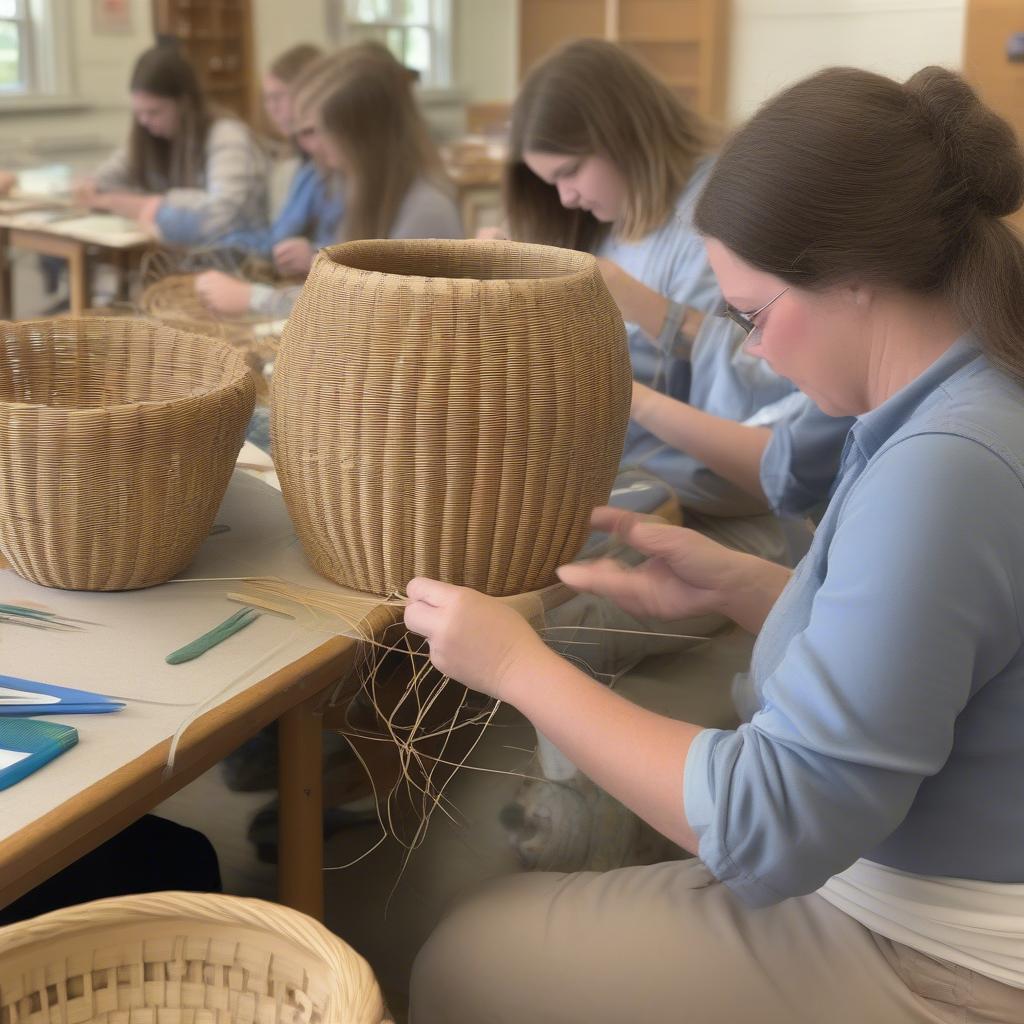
<point x="238" y="370"/>
<point x="585" y="262"/>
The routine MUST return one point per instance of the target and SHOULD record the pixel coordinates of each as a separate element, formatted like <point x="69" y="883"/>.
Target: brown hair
<point x="592" y="98"/>
<point x="156" y="164"/>
<point x="287" y="66"/>
<point x="850" y="176"/>
<point x="372" y="115"/>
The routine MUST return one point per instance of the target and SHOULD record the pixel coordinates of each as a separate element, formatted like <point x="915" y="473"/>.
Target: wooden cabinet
<point x="685" y="42"/>
<point x="1000" y="81"/>
<point x="217" y="38"/>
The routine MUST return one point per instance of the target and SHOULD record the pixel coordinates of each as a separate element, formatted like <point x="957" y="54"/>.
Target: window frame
<point x="439" y="27"/>
<point x="48" y="81"/>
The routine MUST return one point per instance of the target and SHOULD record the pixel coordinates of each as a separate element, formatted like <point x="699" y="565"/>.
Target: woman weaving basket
<point x="871" y="807"/>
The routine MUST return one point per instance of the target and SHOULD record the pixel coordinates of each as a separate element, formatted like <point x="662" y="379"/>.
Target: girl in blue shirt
<point x="871" y="807"/>
<point x="604" y="157"/>
<point x="309" y="216"/>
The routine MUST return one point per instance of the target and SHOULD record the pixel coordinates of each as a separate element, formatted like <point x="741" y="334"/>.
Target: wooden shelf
<point x="684" y="42"/>
<point x="224" y="26"/>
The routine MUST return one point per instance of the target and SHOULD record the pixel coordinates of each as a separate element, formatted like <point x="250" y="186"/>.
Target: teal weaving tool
<point x="26" y="745"/>
<point x="229" y="627"/>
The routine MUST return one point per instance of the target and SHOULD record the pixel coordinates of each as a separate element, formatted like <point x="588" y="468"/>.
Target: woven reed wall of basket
<point x="182" y="958"/>
<point x="172" y="300"/>
<point x="117" y="440"/>
<point x="449" y="408"/>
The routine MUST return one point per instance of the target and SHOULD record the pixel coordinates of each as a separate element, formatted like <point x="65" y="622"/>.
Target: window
<point x="417" y="32"/>
<point x="35" y="52"/>
<point x="15" y="48"/>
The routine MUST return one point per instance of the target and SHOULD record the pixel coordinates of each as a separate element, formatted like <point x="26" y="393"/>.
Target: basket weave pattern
<point x="182" y="958"/>
<point x="452" y="409"/>
<point x="117" y="440"/>
<point x="173" y="301"/>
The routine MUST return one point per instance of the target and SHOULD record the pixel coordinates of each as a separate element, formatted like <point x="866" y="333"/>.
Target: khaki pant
<point x="668" y="943"/>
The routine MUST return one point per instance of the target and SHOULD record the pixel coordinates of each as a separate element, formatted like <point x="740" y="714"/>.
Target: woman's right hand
<point x="685" y="573"/>
<point x="223" y="293"/>
<point x="83" y="193"/>
<point x="493" y="233"/>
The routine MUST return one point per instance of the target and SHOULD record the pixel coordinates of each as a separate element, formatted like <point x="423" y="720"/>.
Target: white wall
<point x="101" y="68"/>
<point x="486" y="54"/>
<point x="775" y="42"/>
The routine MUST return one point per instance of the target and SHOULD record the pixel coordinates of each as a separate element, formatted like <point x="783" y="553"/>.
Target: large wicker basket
<point x="182" y="958"/>
<point x="117" y="440"/>
<point x="449" y="408"/>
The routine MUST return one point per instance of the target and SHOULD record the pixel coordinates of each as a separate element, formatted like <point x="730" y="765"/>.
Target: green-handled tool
<point x="229" y="627"/>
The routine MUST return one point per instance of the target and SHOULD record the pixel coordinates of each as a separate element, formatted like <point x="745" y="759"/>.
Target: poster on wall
<point x="112" y="17"/>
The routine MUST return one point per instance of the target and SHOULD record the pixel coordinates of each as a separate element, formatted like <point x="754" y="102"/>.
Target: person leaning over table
<point x="860" y="836"/>
<point x="367" y="129"/>
<point x="191" y="173"/>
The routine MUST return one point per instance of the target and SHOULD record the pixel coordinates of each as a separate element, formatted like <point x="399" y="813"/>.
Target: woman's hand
<point x="7" y="182"/>
<point x="493" y="233"/>
<point x="124" y="204"/>
<point x="223" y="293"/>
<point x="640" y="405"/>
<point x="293" y="257"/>
<point x="473" y="638"/>
<point x="83" y="193"/>
<point x="685" y="574"/>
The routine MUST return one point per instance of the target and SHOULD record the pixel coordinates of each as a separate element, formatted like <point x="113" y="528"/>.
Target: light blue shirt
<point x="800" y="463"/>
<point x="889" y="676"/>
<point x="312" y="209"/>
<point x="710" y="372"/>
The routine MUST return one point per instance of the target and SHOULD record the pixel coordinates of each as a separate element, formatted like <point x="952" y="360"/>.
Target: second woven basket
<point x="117" y="441"/>
<point x="453" y="409"/>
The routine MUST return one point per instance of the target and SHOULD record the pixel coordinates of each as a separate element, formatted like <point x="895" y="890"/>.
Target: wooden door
<point x="1000" y="81"/>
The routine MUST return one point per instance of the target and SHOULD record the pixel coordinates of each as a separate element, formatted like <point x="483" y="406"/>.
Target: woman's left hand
<point x="293" y="257"/>
<point x="223" y="293"/>
<point x="473" y="638"/>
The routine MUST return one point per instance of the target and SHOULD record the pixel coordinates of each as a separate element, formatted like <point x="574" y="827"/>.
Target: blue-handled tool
<point x="28" y="697"/>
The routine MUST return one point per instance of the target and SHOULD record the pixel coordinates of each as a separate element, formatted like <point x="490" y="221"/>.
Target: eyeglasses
<point x="745" y="321"/>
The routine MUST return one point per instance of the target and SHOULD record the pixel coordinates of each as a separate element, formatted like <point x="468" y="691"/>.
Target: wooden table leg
<point x="300" y="842"/>
<point x="79" y="292"/>
<point x="6" y="293"/>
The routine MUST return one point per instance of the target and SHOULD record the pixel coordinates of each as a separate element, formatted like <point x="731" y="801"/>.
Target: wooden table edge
<point x="84" y="821"/>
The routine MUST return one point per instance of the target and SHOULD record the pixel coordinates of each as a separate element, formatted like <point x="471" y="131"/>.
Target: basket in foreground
<point x="182" y="958"/>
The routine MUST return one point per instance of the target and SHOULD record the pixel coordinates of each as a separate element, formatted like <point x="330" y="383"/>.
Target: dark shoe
<point x="252" y="768"/>
<point x="263" y="830"/>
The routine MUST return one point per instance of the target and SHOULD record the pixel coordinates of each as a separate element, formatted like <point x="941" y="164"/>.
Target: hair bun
<point x="979" y="147"/>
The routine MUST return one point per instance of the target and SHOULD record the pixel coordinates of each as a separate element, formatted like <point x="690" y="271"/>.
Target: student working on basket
<point x="871" y="807"/>
<point x="190" y="173"/>
<point x="313" y="206"/>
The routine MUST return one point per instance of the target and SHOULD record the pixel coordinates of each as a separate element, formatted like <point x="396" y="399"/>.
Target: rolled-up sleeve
<point x="801" y="460"/>
<point x="916" y="610"/>
<point x="694" y="286"/>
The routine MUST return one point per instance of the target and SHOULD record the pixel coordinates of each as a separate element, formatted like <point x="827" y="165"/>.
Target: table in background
<point x="72" y="238"/>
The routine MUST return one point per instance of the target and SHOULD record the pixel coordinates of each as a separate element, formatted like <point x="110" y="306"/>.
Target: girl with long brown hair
<point x="369" y="131"/>
<point x="190" y="172"/>
<point x="606" y="158"/>
<point x="860" y="835"/>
